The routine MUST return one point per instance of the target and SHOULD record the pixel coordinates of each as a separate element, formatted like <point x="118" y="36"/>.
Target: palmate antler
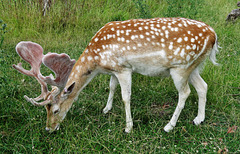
<point x="60" y="64"/>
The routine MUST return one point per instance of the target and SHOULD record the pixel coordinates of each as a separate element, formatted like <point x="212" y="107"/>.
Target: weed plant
<point x="68" y="26"/>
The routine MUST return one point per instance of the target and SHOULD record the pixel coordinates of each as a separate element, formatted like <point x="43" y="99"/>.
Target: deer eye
<point x="56" y="111"/>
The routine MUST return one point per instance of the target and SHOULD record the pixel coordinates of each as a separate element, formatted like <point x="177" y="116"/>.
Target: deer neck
<point x="82" y="73"/>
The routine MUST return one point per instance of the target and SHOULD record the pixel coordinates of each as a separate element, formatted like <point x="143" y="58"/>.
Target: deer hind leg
<point x="125" y="81"/>
<point x="113" y="85"/>
<point x="181" y="82"/>
<point x="201" y="87"/>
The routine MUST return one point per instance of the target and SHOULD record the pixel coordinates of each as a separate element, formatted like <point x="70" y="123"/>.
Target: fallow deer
<point x="155" y="47"/>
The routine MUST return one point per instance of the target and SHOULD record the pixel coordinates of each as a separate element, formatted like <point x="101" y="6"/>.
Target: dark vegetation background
<point x="67" y="27"/>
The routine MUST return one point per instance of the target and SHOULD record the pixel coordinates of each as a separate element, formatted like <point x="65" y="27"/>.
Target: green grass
<point x="68" y="27"/>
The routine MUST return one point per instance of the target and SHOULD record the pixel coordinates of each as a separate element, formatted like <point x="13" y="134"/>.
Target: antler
<point x="33" y="54"/>
<point x="60" y="64"/>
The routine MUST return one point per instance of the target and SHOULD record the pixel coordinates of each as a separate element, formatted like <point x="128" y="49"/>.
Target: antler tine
<point x="31" y="100"/>
<point x="61" y="65"/>
<point x="32" y="53"/>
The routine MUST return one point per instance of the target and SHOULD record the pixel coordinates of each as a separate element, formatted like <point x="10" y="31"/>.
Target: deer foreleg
<point x="113" y="85"/>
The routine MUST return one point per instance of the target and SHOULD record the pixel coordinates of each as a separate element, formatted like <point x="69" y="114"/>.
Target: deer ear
<point x="69" y="89"/>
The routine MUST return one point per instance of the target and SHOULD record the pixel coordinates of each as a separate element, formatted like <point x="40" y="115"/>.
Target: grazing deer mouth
<point x="50" y="130"/>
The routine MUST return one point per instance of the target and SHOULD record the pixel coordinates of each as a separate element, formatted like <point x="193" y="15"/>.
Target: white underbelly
<point x="151" y="65"/>
<point x="150" y="70"/>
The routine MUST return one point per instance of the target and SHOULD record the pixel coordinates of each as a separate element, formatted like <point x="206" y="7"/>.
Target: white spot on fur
<point x="82" y="59"/>
<point x="115" y="46"/>
<point x="118" y="32"/>
<point x="176" y="51"/>
<point x="179" y="40"/>
<point x="166" y="33"/>
<point x="141" y="36"/>
<point x="192" y="40"/>
<point x="96" y="57"/>
<point x="89" y="58"/>
<point x="182" y="53"/>
<point x="194" y="46"/>
<point x="132" y="37"/>
<point x="103" y="46"/>
<point x="188" y="47"/>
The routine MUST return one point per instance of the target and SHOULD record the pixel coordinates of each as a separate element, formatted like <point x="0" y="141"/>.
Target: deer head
<point x="61" y="65"/>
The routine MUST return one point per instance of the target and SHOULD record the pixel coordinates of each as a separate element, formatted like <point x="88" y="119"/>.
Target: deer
<point x="165" y="47"/>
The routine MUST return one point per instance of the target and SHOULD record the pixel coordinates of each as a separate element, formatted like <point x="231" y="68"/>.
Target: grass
<point x="68" y="27"/>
